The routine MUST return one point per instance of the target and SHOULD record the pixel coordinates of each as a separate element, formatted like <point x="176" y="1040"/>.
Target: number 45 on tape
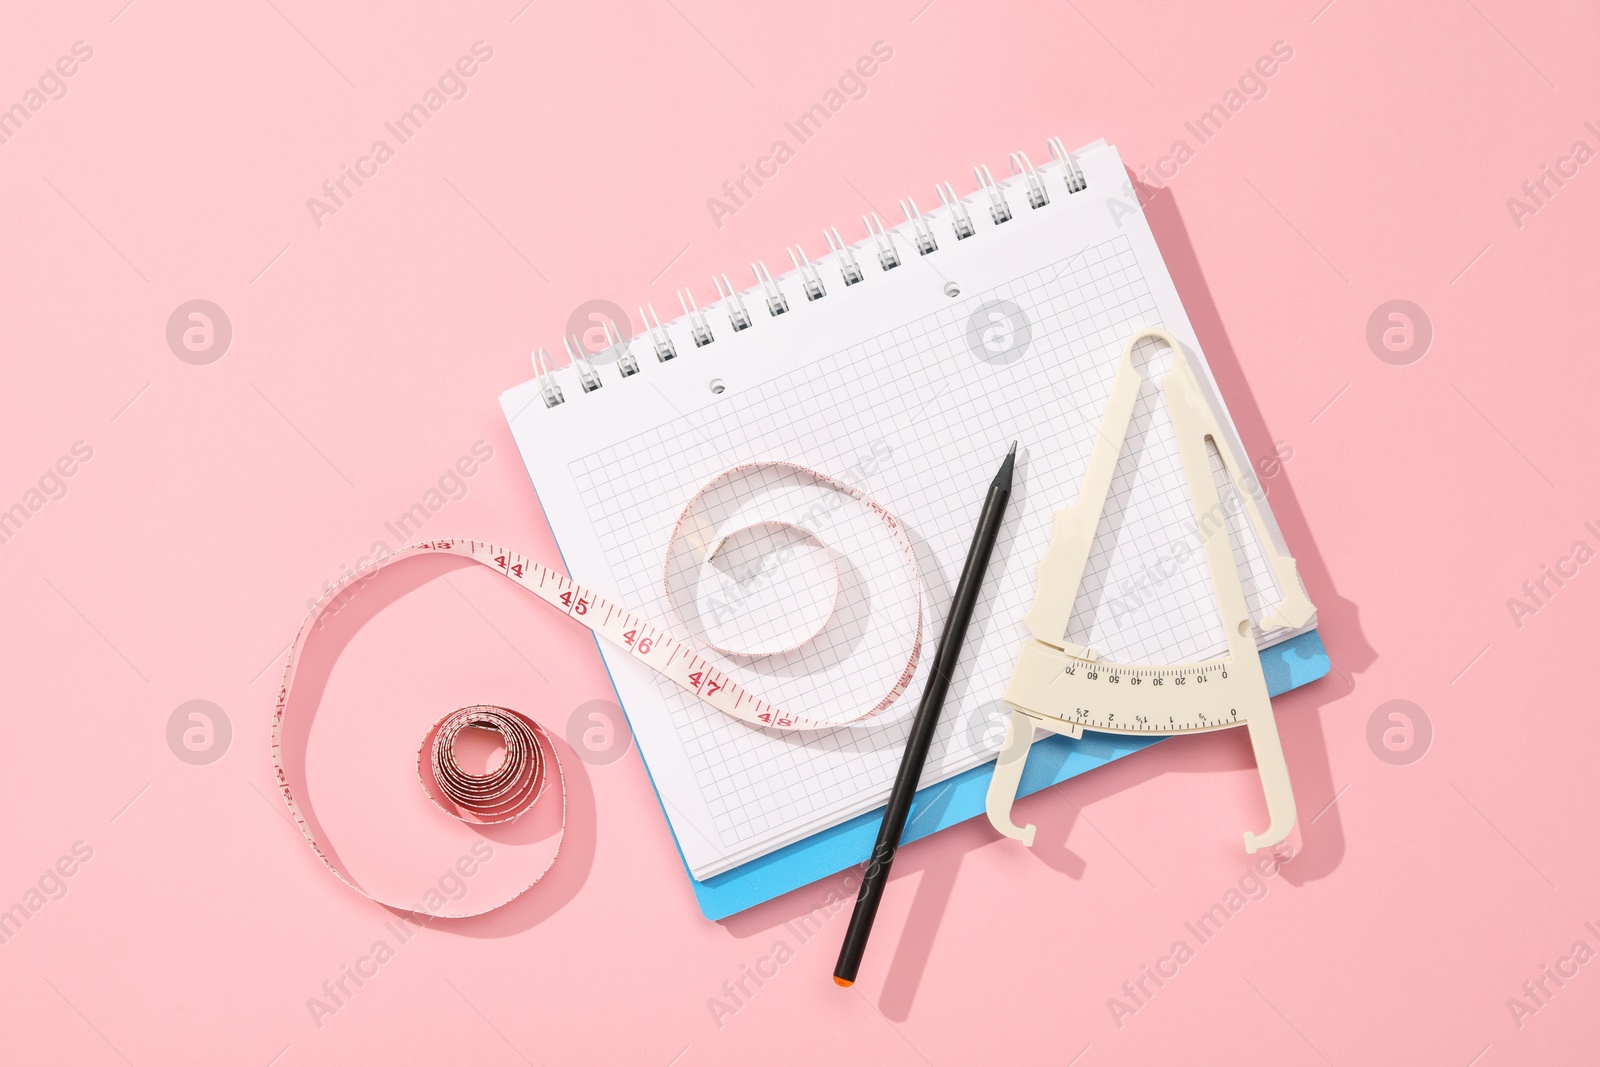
<point x="1067" y="689"/>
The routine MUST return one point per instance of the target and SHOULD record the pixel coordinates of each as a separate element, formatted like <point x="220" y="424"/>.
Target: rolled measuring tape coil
<point x="501" y="793"/>
<point x="720" y="521"/>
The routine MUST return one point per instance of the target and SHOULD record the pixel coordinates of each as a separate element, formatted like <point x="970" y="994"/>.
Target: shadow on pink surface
<point x="936" y="862"/>
<point x="531" y="836"/>
<point x="565" y="878"/>
<point x="1338" y="619"/>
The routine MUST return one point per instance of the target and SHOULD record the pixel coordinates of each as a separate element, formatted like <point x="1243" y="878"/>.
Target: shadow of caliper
<point x="1066" y="688"/>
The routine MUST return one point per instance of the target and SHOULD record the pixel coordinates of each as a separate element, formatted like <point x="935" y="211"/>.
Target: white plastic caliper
<point x="1067" y="688"/>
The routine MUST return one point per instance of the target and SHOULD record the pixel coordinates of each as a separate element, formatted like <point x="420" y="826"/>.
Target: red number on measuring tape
<point x="627" y="638"/>
<point x="577" y="606"/>
<point x="644" y="646"/>
<point x="711" y="684"/>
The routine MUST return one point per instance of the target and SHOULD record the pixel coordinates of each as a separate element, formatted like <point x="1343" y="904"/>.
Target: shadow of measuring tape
<point x="525" y="843"/>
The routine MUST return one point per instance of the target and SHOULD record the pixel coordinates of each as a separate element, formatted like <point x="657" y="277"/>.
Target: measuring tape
<point x="726" y="513"/>
<point x="498" y="795"/>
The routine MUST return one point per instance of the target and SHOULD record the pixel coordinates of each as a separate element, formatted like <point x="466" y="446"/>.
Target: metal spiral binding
<point x="659" y="337"/>
<point x="545" y="374"/>
<point x="626" y="362"/>
<point x="1021" y="164"/>
<point x="847" y="259"/>
<point x="777" y="303"/>
<point x="999" y="210"/>
<point x="960" y="220"/>
<point x="810" y="280"/>
<point x="699" y="329"/>
<point x="1076" y="182"/>
<point x="921" y="234"/>
<point x="888" y="257"/>
<point x="588" y="377"/>
<point x="737" y="315"/>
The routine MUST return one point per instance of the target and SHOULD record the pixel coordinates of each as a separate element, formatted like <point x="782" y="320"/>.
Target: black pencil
<point x="922" y="727"/>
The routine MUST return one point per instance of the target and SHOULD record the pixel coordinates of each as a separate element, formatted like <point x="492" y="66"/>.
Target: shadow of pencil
<point x="935" y="867"/>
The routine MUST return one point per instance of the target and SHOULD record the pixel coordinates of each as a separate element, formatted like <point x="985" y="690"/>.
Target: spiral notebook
<point x="904" y="363"/>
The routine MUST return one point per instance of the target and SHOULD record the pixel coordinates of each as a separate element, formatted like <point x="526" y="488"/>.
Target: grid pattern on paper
<point x="919" y="422"/>
<point x="757" y="580"/>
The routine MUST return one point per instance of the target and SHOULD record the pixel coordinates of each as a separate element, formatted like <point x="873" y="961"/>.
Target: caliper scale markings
<point x="1066" y="688"/>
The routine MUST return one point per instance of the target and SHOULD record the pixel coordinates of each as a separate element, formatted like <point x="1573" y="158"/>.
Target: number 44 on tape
<point x="1066" y="689"/>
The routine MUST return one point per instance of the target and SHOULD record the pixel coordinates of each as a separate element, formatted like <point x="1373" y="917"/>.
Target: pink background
<point x="367" y="356"/>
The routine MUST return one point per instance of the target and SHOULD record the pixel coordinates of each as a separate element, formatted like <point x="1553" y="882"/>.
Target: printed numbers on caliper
<point x="1138" y="715"/>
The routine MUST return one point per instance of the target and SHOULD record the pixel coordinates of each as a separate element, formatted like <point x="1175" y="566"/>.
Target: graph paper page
<point x="912" y="395"/>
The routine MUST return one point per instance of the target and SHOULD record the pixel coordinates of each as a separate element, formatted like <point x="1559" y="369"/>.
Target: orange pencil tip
<point x="844" y="983"/>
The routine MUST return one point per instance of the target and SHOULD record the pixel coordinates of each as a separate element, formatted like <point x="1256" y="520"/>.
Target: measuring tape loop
<point x="498" y="795"/>
<point x="735" y="554"/>
<point x="727" y="541"/>
<point x="718" y="538"/>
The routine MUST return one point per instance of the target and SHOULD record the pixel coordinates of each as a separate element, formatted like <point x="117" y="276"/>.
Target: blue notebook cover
<point x="1288" y="665"/>
<point x="1052" y="759"/>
